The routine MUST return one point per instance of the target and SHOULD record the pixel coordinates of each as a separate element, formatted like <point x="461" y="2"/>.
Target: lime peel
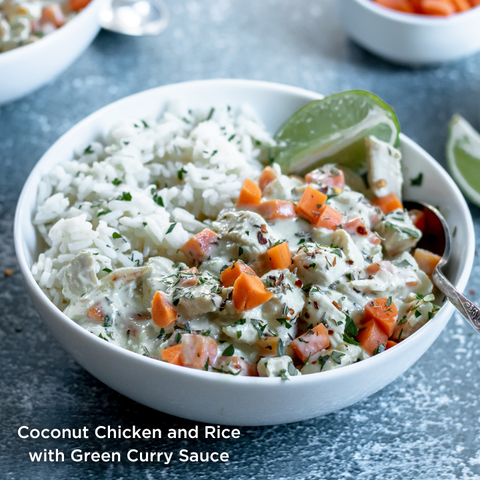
<point x="463" y="157"/>
<point x="332" y="129"/>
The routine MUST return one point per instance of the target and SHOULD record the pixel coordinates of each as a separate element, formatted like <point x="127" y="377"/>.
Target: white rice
<point x="192" y="162"/>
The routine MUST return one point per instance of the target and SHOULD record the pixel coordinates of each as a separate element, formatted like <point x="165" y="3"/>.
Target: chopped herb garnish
<point x="117" y="182"/>
<point x="88" y="150"/>
<point x="238" y="322"/>
<point x="350" y="340"/>
<point x="207" y="363"/>
<point x="280" y="348"/>
<point x="229" y="351"/>
<point x="170" y="228"/>
<point x="103" y="212"/>
<point x="145" y="124"/>
<point x="408" y="231"/>
<point x="285" y="322"/>
<point x="283" y="374"/>
<point x="180" y="173"/>
<point x="350" y="327"/>
<point x="389" y="302"/>
<point x="322" y="361"/>
<point x="337" y="357"/>
<point x="126" y="197"/>
<point x="417" y="314"/>
<point x="107" y="321"/>
<point x="210" y="115"/>
<point x="379" y="349"/>
<point x="240" y="251"/>
<point x="106" y="270"/>
<point x="178" y="337"/>
<point x="416" y="182"/>
<point x="116" y="235"/>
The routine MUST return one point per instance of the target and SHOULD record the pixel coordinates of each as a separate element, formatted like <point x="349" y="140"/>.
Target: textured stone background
<point x="426" y="425"/>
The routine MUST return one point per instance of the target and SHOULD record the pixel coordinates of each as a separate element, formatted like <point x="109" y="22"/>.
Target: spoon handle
<point x="467" y="308"/>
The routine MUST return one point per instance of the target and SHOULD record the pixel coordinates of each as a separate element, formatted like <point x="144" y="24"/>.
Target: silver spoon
<point x="441" y="240"/>
<point x="135" y="17"/>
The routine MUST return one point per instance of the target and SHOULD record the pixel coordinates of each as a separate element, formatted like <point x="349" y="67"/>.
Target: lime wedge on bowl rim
<point x="463" y="157"/>
<point x="332" y="130"/>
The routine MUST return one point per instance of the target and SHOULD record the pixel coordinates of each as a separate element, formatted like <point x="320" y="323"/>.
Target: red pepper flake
<point x="336" y="305"/>
<point x="299" y="283"/>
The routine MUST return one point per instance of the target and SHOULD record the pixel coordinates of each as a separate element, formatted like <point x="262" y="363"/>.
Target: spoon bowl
<point x="439" y="240"/>
<point x="135" y="17"/>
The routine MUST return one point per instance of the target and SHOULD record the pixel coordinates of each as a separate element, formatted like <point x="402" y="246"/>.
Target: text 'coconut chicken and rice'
<point x="175" y="241"/>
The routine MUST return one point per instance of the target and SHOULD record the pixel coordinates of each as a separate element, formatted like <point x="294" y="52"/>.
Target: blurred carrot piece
<point x="404" y="6"/>
<point x="462" y="5"/>
<point x="442" y="8"/>
<point x="172" y="355"/>
<point x="427" y="261"/>
<point x="200" y="245"/>
<point x="267" y="176"/>
<point x="53" y="14"/>
<point x="78" y="4"/>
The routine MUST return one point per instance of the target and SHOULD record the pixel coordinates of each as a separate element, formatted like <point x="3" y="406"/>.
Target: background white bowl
<point x="407" y="38"/>
<point x="213" y="397"/>
<point x="27" y="68"/>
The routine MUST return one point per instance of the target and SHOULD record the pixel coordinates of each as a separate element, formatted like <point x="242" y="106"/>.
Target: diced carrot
<point x="198" y="351"/>
<point x="311" y="342"/>
<point x="442" y="8"/>
<point x="268" y="346"/>
<point x="280" y="256"/>
<point x="332" y="177"/>
<point x="309" y="205"/>
<point x="475" y="3"/>
<point x="399" y="5"/>
<point x="200" y="246"/>
<point x="96" y="313"/>
<point x="390" y="344"/>
<point x="388" y="203"/>
<point x="172" y="355"/>
<point x="462" y="5"/>
<point x="250" y="194"/>
<point x="163" y="312"/>
<point x="267" y="176"/>
<point x="355" y="226"/>
<point x="78" y="4"/>
<point x="418" y="219"/>
<point x="242" y="367"/>
<point x="328" y="217"/>
<point x="276" y="210"/>
<point x="427" y="261"/>
<point x="249" y="292"/>
<point x="231" y="273"/>
<point x="375" y="267"/>
<point x="188" y="277"/>
<point x="371" y="336"/>
<point x="384" y="312"/>
<point x="53" y="14"/>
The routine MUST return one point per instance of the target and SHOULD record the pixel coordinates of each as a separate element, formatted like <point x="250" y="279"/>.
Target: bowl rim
<point x="21" y="213"/>
<point x="50" y="38"/>
<point x="415" y="18"/>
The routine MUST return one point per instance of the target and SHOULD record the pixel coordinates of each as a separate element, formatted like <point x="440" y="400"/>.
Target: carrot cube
<point x="384" y="312"/>
<point x="163" y="312"/>
<point x="267" y="176"/>
<point x="172" y="355"/>
<point x="418" y="219"/>
<point x="442" y="8"/>
<point x="371" y="337"/>
<point x="249" y="292"/>
<point x="198" y="351"/>
<point x="427" y="261"/>
<point x="311" y="342"/>
<point x="329" y="218"/>
<point x="390" y="344"/>
<point x="276" y="210"/>
<point x="200" y="246"/>
<point x="309" y="205"/>
<point x="333" y="177"/>
<point x="250" y="194"/>
<point x="231" y="273"/>
<point x="268" y="346"/>
<point x="78" y="5"/>
<point x="388" y="203"/>
<point x="280" y="256"/>
<point x="96" y="313"/>
<point x="400" y="5"/>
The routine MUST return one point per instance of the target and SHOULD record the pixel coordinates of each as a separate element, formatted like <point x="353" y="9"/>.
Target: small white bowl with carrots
<point x="214" y="397"/>
<point x="413" y="32"/>
<point x="28" y="67"/>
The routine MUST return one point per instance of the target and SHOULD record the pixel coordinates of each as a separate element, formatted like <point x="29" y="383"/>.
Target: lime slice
<point x="463" y="157"/>
<point x="331" y="130"/>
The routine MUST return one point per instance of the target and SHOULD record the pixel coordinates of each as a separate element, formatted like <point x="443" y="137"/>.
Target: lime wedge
<point x="463" y="157"/>
<point x="331" y="130"/>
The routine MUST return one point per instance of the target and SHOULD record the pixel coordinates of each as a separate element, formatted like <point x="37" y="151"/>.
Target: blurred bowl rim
<point x="47" y="39"/>
<point x="418" y="19"/>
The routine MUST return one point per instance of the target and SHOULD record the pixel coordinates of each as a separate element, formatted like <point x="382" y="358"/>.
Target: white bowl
<point x="27" y="68"/>
<point x="408" y="38"/>
<point x="213" y="397"/>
